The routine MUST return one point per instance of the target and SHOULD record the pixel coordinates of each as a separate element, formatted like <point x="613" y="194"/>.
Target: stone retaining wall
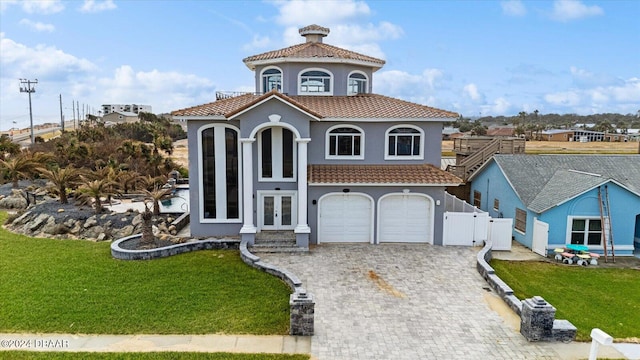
<point x="124" y="254"/>
<point x="537" y="320"/>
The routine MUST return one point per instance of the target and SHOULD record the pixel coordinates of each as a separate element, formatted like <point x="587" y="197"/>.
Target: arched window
<point x="219" y="174"/>
<point x="315" y="82"/>
<point x="271" y="79"/>
<point x="404" y="142"/>
<point x="357" y="84"/>
<point x="344" y="142"/>
<point x="277" y="154"/>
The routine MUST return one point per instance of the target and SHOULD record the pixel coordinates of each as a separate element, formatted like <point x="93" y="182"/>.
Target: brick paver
<point x="401" y="301"/>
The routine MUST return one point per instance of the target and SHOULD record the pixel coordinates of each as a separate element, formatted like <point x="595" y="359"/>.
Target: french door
<point x="277" y="210"/>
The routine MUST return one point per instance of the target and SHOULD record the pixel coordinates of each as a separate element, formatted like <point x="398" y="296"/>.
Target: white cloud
<point x="42" y="6"/>
<point x="500" y="106"/>
<point x="323" y="13"/>
<point x="37" y="26"/>
<point x="165" y="91"/>
<point x="564" y="98"/>
<point x="92" y="6"/>
<point x="513" y="8"/>
<point x="405" y="85"/>
<point x="471" y="90"/>
<point x="566" y="10"/>
<point x="43" y="62"/>
<point x="585" y="78"/>
<point x="258" y="42"/>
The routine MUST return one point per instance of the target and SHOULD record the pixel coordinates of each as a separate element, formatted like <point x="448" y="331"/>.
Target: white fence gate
<point x="540" y="237"/>
<point x="500" y="231"/>
<point x="467" y="229"/>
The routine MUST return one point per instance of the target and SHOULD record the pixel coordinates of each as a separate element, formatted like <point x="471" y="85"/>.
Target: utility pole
<point x="73" y="112"/>
<point x="61" y="115"/>
<point x="25" y="86"/>
<point x="78" y="112"/>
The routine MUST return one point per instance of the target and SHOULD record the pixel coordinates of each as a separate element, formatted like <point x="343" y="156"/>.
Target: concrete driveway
<point x="400" y="301"/>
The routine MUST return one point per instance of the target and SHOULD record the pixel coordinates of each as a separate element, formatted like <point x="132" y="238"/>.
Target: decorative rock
<point x="101" y="237"/>
<point x="137" y="220"/>
<point x="60" y="210"/>
<point x="90" y="222"/>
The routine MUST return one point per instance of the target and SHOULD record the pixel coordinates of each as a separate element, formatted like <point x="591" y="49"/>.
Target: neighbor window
<point x="271" y="79"/>
<point x="586" y="231"/>
<point x="357" y="84"/>
<point x="496" y="204"/>
<point x="315" y="82"/>
<point x="521" y="220"/>
<point x="477" y="199"/>
<point x="404" y="142"/>
<point x="220" y="178"/>
<point x="345" y="142"/>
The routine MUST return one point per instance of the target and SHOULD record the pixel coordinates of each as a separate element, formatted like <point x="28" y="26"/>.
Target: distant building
<point x="588" y="136"/>
<point x="133" y="108"/>
<point x="556" y="135"/>
<point x="119" y="117"/>
<point x="505" y="131"/>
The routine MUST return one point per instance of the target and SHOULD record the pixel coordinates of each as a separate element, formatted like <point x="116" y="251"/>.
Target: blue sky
<point x="472" y="57"/>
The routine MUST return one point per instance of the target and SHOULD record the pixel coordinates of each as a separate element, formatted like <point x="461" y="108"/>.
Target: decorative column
<point x="248" y="229"/>
<point x="302" y="229"/>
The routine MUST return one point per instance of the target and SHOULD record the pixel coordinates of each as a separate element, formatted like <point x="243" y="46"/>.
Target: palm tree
<point x="94" y="190"/>
<point x="147" y="227"/>
<point x="61" y="179"/>
<point x="18" y="167"/>
<point x="156" y="191"/>
<point x="7" y="147"/>
<point x="128" y="179"/>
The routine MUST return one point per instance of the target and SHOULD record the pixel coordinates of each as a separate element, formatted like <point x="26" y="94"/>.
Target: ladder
<point x="605" y="218"/>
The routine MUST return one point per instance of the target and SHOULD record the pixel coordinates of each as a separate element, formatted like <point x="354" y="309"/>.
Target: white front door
<point x="277" y="210"/>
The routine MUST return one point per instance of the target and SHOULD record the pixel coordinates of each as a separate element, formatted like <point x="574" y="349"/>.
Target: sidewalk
<point x="273" y="344"/>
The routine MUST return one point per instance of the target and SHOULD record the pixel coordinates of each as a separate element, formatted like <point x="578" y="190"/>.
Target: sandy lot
<point x="533" y="147"/>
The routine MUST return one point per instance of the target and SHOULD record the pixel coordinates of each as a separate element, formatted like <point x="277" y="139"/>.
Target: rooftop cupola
<point x="314" y="33"/>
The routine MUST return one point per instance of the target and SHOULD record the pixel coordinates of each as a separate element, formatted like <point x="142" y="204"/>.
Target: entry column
<point x="302" y="229"/>
<point x="248" y="229"/>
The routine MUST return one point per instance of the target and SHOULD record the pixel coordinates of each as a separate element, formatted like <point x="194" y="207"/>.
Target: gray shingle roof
<point x="543" y="181"/>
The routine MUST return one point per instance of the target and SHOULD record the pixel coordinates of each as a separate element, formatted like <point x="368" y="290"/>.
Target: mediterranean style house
<point x="314" y="153"/>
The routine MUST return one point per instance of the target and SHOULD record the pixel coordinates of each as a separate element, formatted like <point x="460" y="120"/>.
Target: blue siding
<point x="625" y="211"/>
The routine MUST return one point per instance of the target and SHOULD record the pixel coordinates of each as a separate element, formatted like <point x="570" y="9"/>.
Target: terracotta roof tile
<point x="313" y="50"/>
<point x="358" y="106"/>
<point x="422" y="174"/>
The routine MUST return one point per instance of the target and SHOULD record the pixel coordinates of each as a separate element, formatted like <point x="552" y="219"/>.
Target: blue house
<point x="555" y="200"/>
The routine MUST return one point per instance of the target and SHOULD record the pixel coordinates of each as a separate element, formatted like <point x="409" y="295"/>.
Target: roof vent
<point x="314" y="33"/>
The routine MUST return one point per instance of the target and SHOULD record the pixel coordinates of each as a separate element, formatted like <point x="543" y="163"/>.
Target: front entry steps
<point x="276" y="242"/>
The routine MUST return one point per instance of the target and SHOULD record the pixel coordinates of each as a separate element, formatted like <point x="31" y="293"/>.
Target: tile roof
<point x="313" y="51"/>
<point x="543" y="181"/>
<point x="332" y="107"/>
<point x="421" y="174"/>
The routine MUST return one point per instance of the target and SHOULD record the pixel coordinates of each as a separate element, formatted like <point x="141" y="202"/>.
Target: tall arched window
<point x="277" y="154"/>
<point x="357" y="84"/>
<point x="315" y="82"/>
<point x="271" y="79"/>
<point x="219" y="174"/>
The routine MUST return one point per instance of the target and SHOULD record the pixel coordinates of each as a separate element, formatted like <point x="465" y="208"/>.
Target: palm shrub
<point x="61" y="179"/>
<point x="93" y="191"/>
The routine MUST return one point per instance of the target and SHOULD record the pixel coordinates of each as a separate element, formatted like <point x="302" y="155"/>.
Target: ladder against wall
<point x="605" y="218"/>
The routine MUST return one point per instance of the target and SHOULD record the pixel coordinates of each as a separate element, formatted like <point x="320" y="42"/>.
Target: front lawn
<point x="30" y="355"/>
<point x="75" y="286"/>
<point x="589" y="297"/>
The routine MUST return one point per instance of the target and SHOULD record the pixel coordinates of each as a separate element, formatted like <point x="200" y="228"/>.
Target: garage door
<point x="345" y="218"/>
<point x="405" y="218"/>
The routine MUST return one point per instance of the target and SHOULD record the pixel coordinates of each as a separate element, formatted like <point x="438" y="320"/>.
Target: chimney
<point x="314" y="33"/>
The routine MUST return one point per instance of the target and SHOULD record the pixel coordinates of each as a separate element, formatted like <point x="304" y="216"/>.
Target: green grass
<point x="605" y="298"/>
<point x="24" y="355"/>
<point x="75" y="286"/>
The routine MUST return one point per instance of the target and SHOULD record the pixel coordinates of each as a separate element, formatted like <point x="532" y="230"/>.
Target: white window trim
<point x="403" y="157"/>
<point x="343" y="157"/>
<point x="274" y="145"/>
<point x="201" y="179"/>
<point x="262" y="78"/>
<point x="366" y="79"/>
<point x="570" y="219"/>
<point x="325" y="93"/>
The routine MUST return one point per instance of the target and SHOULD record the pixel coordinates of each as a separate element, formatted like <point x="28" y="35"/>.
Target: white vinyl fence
<point x="466" y="225"/>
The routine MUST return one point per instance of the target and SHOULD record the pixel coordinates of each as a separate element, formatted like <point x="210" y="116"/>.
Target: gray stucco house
<point x="315" y="153"/>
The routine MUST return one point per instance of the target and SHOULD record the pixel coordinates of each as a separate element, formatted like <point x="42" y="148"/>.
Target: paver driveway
<point x="401" y="301"/>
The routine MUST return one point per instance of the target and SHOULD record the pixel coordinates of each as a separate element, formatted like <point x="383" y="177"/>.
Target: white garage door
<point x="345" y="217"/>
<point x="405" y="218"/>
